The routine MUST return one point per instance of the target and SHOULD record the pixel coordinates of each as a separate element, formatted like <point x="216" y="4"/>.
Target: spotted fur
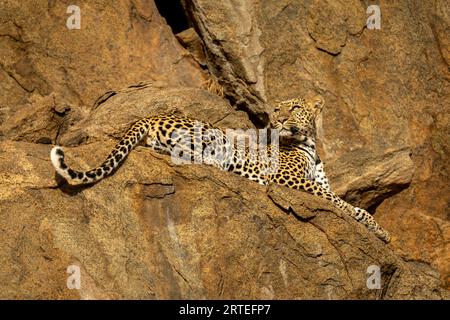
<point x="298" y="164"/>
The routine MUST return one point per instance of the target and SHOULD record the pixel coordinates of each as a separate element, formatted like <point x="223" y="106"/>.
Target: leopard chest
<point x="297" y="162"/>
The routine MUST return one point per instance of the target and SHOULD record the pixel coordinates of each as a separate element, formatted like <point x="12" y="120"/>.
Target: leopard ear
<point x="317" y="103"/>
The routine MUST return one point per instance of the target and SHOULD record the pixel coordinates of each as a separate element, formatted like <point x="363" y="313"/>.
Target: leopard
<point x="290" y="159"/>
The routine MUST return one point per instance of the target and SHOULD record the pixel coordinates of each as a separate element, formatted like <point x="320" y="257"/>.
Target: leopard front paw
<point x="366" y="218"/>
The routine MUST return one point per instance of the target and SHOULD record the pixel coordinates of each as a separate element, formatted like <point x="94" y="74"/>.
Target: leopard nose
<point x="295" y="130"/>
<point x="282" y="119"/>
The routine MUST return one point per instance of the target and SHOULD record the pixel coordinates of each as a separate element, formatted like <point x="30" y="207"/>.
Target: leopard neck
<point x="307" y="146"/>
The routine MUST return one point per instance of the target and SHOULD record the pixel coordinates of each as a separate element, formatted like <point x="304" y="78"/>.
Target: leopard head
<point x="295" y="119"/>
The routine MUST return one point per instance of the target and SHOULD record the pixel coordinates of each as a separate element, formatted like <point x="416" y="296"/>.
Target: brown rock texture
<point x="385" y="128"/>
<point x="154" y="230"/>
<point x="48" y="70"/>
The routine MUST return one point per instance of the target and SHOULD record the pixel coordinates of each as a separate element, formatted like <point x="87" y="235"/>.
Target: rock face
<point x="48" y="70"/>
<point x="384" y="130"/>
<point x="155" y="230"/>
